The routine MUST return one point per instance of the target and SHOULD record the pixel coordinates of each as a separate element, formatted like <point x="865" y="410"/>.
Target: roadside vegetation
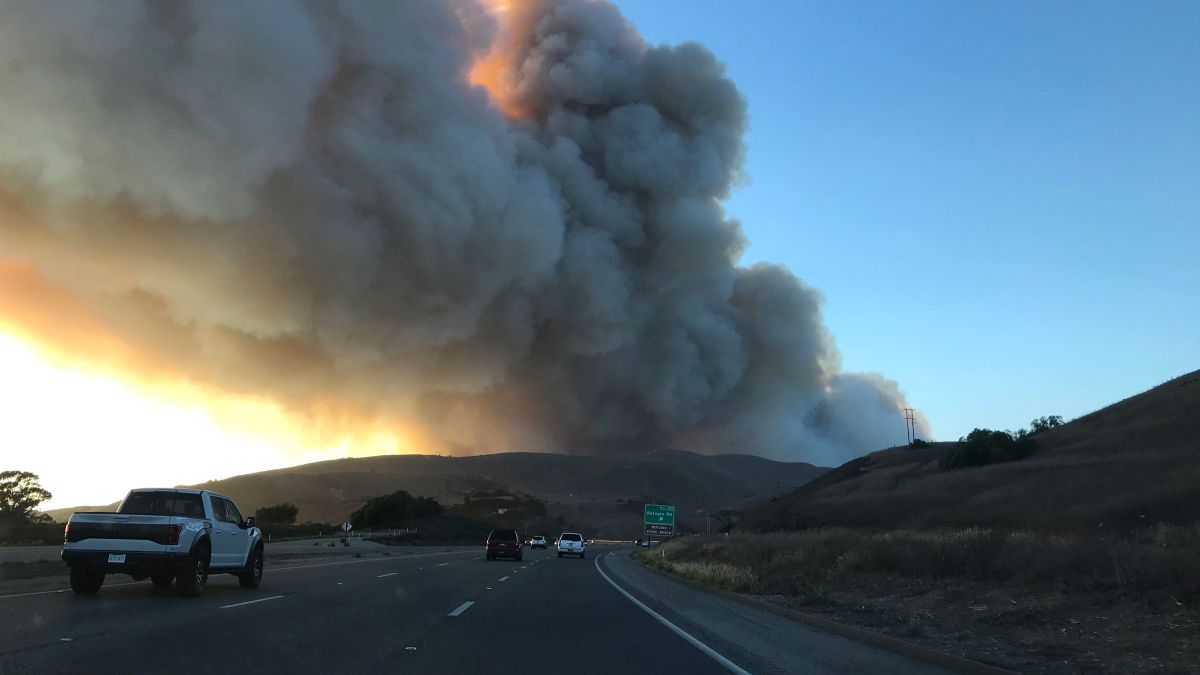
<point x="279" y="514"/>
<point x="281" y="532"/>
<point x="1013" y="598"/>
<point x="1163" y="558"/>
<point x="278" y="522"/>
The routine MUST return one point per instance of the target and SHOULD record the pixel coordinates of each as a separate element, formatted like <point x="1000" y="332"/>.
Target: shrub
<point x="985" y="446"/>
<point x="394" y="509"/>
<point x="275" y="532"/>
<point x="279" y="514"/>
<point x="30" y="533"/>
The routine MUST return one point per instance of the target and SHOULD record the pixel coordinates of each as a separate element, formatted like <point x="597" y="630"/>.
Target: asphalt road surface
<point x="436" y="612"/>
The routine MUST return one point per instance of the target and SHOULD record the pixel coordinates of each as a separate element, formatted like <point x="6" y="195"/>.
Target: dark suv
<point x="503" y="544"/>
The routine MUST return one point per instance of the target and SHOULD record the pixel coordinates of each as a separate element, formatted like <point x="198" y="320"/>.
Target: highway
<point x="436" y="612"/>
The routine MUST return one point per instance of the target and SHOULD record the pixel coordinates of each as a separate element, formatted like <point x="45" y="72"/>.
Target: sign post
<point x="346" y="527"/>
<point x="659" y="520"/>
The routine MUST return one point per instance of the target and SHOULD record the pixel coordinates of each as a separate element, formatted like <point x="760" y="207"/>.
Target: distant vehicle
<point x="644" y="543"/>
<point x="537" y="542"/>
<point x="164" y="534"/>
<point x="571" y="543"/>
<point x="503" y="544"/>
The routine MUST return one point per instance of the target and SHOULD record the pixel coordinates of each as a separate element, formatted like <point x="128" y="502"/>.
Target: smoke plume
<point x="311" y="202"/>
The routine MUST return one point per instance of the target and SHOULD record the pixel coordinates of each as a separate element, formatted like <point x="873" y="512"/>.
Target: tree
<point x="985" y="446"/>
<point x="20" y="493"/>
<point x="393" y="509"/>
<point x="280" y="514"/>
<point x="1044" y="423"/>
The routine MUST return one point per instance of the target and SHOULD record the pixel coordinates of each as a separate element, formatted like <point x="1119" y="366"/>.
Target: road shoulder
<point x="757" y="640"/>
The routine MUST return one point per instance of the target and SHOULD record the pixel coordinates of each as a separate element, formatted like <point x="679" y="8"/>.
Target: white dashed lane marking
<point x="461" y="608"/>
<point x="250" y="602"/>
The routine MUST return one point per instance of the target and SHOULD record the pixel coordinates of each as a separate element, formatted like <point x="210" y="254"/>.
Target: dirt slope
<point x="1131" y="463"/>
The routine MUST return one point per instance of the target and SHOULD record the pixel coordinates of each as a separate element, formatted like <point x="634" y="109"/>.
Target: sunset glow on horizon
<point x="91" y="437"/>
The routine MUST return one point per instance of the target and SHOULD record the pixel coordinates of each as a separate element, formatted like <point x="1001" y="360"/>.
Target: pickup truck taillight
<point x="66" y="531"/>
<point x="172" y="535"/>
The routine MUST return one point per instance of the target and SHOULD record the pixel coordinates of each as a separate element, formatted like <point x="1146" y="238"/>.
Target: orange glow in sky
<point x="493" y="71"/>
<point x="91" y="437"/>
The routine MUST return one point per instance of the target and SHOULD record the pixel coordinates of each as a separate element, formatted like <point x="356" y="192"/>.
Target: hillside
<point x="588" y="488"/>
<point x="1131" y="463"/>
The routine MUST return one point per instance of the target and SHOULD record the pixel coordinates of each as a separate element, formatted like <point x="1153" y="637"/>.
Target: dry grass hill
<point x="1132" y="463"/>
<point x="579" y="488"/>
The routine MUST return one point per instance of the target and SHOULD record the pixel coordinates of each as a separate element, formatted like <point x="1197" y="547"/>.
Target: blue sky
<point x="999" y="200"/>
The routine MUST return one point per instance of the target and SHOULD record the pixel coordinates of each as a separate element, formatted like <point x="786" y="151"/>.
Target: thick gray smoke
<point x="309" y="201"/>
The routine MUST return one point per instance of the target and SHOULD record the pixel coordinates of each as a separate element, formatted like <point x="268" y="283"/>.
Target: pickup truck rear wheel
<point x="193" y="576"/>
<point x="162" y="579"/>
<point x="251" y="576"/>
<point x="85" y="581"/>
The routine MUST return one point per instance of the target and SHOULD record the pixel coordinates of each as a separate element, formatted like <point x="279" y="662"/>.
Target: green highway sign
<point x="659" y="514"/>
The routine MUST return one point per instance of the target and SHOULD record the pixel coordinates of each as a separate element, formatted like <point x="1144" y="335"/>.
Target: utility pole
<point x="910" y="425"/>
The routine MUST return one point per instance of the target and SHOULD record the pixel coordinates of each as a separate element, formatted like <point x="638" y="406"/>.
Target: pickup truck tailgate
<point x="122" y="532"/>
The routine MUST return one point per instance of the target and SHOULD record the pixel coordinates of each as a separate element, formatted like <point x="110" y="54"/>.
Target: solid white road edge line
<point x="712" y="653"/>
<point x="389" y="574"/>
<point x="462" y="608"/>
<point x="250" y="602"/>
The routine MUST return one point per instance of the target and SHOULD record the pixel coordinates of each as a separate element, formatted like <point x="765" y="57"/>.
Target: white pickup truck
<point x="165" y="534"/>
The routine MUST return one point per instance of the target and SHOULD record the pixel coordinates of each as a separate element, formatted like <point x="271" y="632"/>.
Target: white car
<point x="537" y="542"/>
<point x="571" y="543"/>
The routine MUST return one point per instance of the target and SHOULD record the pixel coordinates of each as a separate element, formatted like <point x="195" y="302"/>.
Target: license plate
<point x="116" y="557"/>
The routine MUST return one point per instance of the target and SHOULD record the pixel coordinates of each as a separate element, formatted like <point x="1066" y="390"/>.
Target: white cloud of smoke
<point x="308" y="201"/>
